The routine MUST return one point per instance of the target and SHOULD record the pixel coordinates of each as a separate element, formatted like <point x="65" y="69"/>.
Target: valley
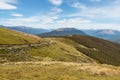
<point x="70" y="57"/>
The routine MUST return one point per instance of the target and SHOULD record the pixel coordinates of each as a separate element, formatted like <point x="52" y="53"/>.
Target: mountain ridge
<point x="63" y="32"/>
<point x="108" y="34"/>
<point x="28" y="30"/>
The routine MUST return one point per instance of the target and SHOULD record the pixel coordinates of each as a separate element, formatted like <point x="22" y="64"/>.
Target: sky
<point x="53" y="14"/>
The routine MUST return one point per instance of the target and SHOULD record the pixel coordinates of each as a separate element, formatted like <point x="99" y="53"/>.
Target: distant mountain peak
<point x="108" y="34"/>
<point x="107" y="31"/>
<point x="63" y="32"/>
<point x="65" y="29"/>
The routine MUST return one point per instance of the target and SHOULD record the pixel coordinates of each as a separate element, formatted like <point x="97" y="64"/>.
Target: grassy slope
<point x="60" y="52"/>
<point x="61" y="49"/>
<point x="13" y="37"/>
<point x="52" y="50"/>
<point x="58" y="71"/>
<point x="99" y="49"/>
<point x="73" y="48"/>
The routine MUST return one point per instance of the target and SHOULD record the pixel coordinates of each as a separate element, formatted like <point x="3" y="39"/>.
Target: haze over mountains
<point x="108" y="34"/>
<point x="112" y="35"/>
<point x="63" y="32"/>
<point x="28" y="30"/>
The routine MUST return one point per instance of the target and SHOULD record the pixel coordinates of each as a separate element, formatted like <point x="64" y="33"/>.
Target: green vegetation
<point x="57" y="71"/>
<point x="58" y="56"/>
<point x="13" y="37"/>
<point x="103" y="51"/>
<point x="60" y="52"/>
<point x="50" y="49"/>
<point x="70" y="49"/>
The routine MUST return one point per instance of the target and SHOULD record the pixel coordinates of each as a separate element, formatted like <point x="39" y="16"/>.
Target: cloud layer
<point x="84" y="15"/>
<point x="7" y="4"/>
<point x="16" y="15"/>
<point x="56" y="2"/>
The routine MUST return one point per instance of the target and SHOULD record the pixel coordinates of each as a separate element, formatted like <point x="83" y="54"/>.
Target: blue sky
<point x="53" y="14"/>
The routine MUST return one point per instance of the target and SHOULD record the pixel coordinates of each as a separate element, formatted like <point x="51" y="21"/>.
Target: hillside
<point x="72" y="57"/>
<point x="63" y="32"/>
<point x="73" y="48"/>
<point x="8" y="36"/>
<point x="103" y="51"/>
<point x="17" y="46"/>
<point x="49" y="49"/>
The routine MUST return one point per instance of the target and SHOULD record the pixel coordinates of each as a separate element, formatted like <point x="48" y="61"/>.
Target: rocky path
<point x="16" y="46"/>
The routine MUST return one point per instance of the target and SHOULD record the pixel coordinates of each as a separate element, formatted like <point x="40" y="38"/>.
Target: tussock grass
<point x="58" y="71"/>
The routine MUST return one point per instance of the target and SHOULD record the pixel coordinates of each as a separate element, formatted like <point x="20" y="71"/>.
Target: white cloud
<point x="52" y="19"/>
<point x="78" y="5"/>
<point x="95" y="0"/>
<point x="7" y="4"/>
<point x="10" y="1"/>
<point x="41" y="19"/>
<point x="48" y="19"/>
<point x="16" y="15"/>
<point x="110" y="11"/>
<point x="24" y="20"/>
<point x="55" y="11"/>
<point x="82" y="24"/>
<point x="117" y="1"/>
<point x="28" y="21"/>
<point x="56" y="2"/>
<point x="73" y="21"/>
<point x="104" y="12"/>
<point x="51" y="22"/>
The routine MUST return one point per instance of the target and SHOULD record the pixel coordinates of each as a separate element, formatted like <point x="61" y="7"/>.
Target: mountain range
<point x="107" y="34"/>
<point x="112" y="35"/>
<point x="63" y="32"/>
<point x="28" y="30"/>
